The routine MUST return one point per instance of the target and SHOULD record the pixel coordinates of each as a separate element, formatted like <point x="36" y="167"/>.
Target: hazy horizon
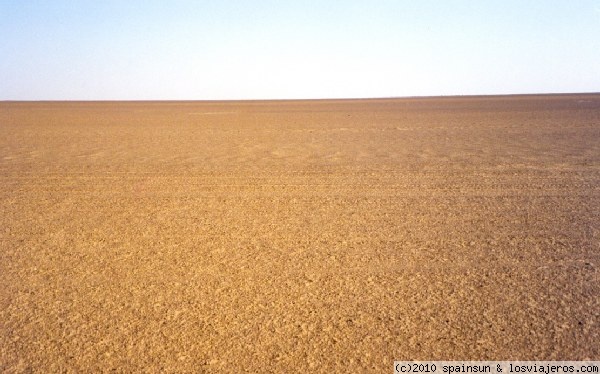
<point x="373" y="98"/>
<point x="267" y="50"/>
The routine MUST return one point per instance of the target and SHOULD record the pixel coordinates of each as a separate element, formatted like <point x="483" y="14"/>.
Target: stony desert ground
<point x="308" y="236"/>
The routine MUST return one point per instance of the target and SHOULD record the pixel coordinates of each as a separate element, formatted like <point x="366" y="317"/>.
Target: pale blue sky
<point x="135" y="50"/>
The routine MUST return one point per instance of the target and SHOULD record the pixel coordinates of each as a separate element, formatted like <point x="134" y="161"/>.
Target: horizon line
<point x="312" y="99"/>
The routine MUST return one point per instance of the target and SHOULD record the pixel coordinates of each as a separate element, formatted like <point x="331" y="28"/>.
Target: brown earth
<point x="316" y="236"/>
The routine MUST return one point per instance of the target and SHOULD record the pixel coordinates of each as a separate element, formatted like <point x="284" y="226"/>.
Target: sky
<point x="227" y="49"/>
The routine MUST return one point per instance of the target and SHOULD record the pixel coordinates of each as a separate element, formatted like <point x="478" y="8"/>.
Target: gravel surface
<point x="309" y="236"/>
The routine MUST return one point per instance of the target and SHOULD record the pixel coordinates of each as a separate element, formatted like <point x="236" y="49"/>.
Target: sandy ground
<point x="316" y="236"/>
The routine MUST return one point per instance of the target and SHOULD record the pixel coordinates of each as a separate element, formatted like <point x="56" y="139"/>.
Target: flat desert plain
<point x="309" y="236"/>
